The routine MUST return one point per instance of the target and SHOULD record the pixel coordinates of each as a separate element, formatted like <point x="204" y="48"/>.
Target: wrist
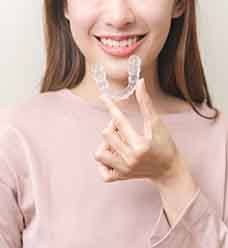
<point x="176" y="191"/>
<point x="179" y="182"/>
<point x="178" y="173"/>
<point x="183" y="186"/>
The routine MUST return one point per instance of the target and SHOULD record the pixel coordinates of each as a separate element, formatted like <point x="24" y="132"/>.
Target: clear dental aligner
<point x="134" y="69"/>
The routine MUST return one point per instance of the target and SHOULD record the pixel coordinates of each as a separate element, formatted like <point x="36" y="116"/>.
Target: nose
<point x="119" y="14"/>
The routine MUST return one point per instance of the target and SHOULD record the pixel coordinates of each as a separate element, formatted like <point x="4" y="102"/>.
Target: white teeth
<point x="122" y="43"/>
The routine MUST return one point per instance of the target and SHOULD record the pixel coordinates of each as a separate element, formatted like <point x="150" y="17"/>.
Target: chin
<point x="115" y="71"/>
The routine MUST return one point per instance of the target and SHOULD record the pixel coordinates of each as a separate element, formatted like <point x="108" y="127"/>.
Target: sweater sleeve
<point x="198" y="226"/>
<point x="11" y="218"/>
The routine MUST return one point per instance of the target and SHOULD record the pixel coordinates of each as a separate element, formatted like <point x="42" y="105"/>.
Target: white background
<point x="22" y="52"/>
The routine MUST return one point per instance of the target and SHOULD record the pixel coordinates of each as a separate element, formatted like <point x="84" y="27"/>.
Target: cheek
<point x="82" y="17"/>
<point x="158" y="19"/>
<point x="160" y="24"/>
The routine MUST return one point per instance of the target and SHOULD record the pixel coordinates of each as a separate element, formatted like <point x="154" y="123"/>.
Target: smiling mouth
<point x="120" y="45"/>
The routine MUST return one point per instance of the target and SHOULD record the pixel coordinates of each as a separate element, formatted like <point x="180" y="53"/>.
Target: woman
<point x="79" y="170"/>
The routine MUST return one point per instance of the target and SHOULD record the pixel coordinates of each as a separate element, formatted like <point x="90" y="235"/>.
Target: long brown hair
<point x="180" y="68"/>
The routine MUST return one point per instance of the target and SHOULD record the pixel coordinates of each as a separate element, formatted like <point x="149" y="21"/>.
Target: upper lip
<point x="119" y="37"/>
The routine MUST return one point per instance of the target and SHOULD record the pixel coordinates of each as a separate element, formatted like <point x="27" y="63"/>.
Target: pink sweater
<point x="52" y="195"/>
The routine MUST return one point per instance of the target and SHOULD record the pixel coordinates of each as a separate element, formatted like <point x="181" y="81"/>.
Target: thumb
<point x="146" y="107"/>
<point x="145" y="101"/>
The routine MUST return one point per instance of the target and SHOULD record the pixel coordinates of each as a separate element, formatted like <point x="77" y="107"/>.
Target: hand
<point x="125" y="154"/>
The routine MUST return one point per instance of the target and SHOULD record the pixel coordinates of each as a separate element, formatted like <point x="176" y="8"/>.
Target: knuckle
<point x="105" y="132"/>
<point x="140" y="151"/>
<point x="98" y="156"/>
<point x="148" y="144"/>
<point x="117" y="122"/>
<point x="107" y="179"/>
<point x="126" y="171"/>
<point x="132" y="160"/>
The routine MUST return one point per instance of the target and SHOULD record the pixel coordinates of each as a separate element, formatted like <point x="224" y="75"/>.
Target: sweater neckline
<point x="98" y="107"/>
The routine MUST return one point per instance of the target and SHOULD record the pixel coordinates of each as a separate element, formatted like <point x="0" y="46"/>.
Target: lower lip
<point x="120" y="51"/>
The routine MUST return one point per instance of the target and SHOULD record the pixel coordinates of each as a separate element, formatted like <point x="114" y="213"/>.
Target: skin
<point x="124" y="154"/>
<point x="97" y="17"/>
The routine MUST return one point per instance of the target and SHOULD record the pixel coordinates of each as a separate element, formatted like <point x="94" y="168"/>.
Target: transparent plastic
<point x="134" y="69"/>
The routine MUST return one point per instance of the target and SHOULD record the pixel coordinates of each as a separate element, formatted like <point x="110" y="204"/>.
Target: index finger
<point x="120" y="121"/>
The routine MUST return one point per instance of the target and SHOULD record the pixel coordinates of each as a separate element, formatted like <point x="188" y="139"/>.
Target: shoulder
<point x="35" y="109"/>
<point x="224" y="119"/>
<point x="210" y="113"/>
<point x="30" y="117"/>
<point x="19" y="123"/>
<point x="207" y="124"/>
<point x="224" y="122"/>
<point x="220" y="124"/>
